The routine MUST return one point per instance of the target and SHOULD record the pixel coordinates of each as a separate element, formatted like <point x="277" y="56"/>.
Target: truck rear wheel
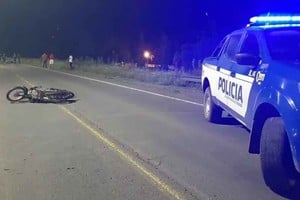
<point x="276" y="158"/>
<point x="212" y="112"/>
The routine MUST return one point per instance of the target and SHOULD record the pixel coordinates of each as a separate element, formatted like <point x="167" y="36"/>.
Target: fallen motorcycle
<point x="39" y="94"/>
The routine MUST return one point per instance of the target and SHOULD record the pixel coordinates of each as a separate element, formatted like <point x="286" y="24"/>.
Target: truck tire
<point x="276" y="158"/>
<point x="212" y="112"/>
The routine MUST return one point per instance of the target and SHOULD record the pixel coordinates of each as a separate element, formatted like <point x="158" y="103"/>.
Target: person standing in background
<point x="51" y="60"/>
<point x="71" y="61"/>
<point x="3" y="58"/>
<point x="19" y="58"/>
<point x="44" y="59"/>
<point x="15" y="58"/>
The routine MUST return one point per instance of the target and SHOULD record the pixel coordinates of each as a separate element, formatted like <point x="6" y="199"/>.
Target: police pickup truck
<point x="254" y="75"/>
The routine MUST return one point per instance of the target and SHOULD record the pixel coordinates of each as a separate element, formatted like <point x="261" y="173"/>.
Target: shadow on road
<point x="229" y="121"/>
<point x="68" y="101"/>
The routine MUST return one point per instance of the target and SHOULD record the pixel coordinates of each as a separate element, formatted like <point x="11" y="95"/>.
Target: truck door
<point x="224" y="86"/>
<point x="243" y="76"/>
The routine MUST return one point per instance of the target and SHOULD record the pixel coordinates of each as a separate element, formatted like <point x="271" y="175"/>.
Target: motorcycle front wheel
<point x="16" y="94"/>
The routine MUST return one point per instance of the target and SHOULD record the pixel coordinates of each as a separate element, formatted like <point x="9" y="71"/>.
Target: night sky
<point x="124" y="27"/>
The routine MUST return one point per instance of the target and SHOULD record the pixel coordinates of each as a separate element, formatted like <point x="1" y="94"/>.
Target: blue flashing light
<point x="279" y="25"/>
<point x="275" y="19"/>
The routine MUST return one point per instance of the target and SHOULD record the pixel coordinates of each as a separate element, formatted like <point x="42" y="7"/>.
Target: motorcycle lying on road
<point x="39" y="94"/>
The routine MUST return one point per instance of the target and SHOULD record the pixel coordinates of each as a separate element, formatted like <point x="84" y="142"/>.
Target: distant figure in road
<point x="51" y="60"/>
<point x="44" y="59"/>
<point x="71" y="61"/>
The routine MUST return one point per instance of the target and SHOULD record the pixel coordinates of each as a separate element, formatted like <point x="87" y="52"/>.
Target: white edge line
<point x="121" y="86"/>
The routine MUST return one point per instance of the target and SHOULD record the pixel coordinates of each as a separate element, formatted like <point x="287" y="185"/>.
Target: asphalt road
<point x="84" y="150"/>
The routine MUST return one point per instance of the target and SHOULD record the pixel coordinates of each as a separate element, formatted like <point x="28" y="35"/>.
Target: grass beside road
<point x="167" y="78"/>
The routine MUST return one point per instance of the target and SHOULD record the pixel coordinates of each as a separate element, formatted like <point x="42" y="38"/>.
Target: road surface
<point x="119" y="142"/>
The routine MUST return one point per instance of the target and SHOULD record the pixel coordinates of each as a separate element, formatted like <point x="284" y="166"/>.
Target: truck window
<point x="232" y="46"/>
<point x="284" y="44"/>
<point x="217" y="52"/>
<point x="250" y="45"/>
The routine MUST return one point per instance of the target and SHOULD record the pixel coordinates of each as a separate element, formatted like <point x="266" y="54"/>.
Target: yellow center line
<point x="130" y="159"/>
<point x="163" y="186"/>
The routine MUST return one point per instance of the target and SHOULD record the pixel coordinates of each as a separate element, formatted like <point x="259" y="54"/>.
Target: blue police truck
<point x="254" y="75"/>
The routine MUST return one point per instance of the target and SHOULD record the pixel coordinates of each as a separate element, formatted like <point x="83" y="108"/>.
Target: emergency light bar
<point x="275" y="19"/>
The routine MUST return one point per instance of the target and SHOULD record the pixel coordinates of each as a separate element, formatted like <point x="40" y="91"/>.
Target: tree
<point x="164" y="51"/>
<point x="187" y="56"/>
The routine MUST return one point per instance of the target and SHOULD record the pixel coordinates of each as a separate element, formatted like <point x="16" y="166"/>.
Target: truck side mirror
<point x="247" y="59"/>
